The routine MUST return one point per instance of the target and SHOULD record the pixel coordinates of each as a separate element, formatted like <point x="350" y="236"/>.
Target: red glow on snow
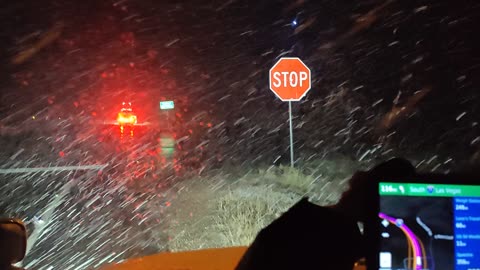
<point x="164" y="71"/>
<point x="152" y="53"/>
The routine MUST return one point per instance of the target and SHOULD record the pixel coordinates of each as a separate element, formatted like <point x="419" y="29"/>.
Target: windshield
<point x="132" y="127"/>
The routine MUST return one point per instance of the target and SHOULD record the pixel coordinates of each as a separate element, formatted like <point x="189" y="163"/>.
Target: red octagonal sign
<point x="290" y="79"/>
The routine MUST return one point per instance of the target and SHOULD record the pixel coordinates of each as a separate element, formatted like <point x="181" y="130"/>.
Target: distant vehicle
<point x="126" y="116"/>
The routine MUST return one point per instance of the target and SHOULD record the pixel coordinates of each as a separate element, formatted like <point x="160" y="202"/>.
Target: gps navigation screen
<point x="429" y="226"/>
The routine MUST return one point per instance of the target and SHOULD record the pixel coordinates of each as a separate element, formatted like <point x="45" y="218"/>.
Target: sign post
<point x="290" y="80"/>
<point x="167" y="141"/>
<point x="292" y="160"/>
<point x="168" y="106"/>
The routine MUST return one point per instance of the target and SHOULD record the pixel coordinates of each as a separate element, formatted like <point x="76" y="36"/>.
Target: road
<point x="414" y="242"/>
<point x="96" y="196"/>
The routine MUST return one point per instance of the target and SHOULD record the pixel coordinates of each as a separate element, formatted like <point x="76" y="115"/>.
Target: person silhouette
<point x="309" y="236"/>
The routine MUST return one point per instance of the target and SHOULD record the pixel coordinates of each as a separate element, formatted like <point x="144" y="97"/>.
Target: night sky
<point x="390" y="78"/>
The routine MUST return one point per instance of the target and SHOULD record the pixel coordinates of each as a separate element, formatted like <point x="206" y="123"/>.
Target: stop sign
<point x="290" y="79"/>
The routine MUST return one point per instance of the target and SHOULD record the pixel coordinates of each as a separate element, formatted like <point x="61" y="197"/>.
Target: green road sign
<point x="428" y="190"/>
<point x="167" y="105"/>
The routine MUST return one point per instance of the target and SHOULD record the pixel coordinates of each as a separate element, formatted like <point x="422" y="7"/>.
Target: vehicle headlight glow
<point x="123" y="119"/>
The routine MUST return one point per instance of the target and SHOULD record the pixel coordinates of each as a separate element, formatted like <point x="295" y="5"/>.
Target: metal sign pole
<point x="170" y="125"/>
<point x="292" y="86"/>
<point x="291" y="133"/>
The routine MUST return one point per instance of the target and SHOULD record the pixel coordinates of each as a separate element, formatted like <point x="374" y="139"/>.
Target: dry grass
<point x="294" y="180"/>
<point x="220" y="211"/>
<point x="205" y="217"/>
<point x="243" y="212"/>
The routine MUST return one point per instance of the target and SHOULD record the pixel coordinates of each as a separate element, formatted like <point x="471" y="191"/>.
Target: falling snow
<point x="389" y="80"/>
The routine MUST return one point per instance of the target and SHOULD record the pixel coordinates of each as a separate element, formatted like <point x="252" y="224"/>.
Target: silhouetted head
<point x="353" y="199"/>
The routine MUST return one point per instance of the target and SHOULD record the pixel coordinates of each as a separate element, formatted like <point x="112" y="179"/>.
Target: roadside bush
<point x="229" y="210"/>
<point x="225" y="217"/>
<point x="241" y="213"/>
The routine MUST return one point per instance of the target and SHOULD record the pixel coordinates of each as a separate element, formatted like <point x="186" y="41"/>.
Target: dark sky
<point x="387" y="48"/>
